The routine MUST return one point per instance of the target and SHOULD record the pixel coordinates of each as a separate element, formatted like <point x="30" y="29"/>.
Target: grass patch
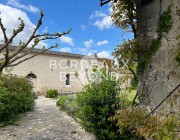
<point x="128" y="94"/>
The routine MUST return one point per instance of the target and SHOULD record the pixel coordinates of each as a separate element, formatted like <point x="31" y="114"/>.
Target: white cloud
<point x="88" y="43"/>
<point x="45" y="30"/>
<point x="66" y="49"/>
<point x="103" y="21"/>
<point x="10" y="20"/>
<point x="100" y="43"/>
<point x="17" y="4"/>
<point x="87" y="51"/>
<point x="104" y="54"/>
<point x="84" y="51"/>
<point x="41" y="44"/>
<point x="67" y="40"/>
<point x="83" y="27"/>
<point x="97" y="14"/>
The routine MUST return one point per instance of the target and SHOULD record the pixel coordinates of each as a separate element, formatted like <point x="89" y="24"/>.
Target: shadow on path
<point x="46" y="122"/>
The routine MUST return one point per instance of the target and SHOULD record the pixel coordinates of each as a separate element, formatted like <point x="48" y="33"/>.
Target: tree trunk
<point x="162" y="74"/>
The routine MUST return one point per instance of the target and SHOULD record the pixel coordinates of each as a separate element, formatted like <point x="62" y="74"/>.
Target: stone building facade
<point x="65" y="72"/>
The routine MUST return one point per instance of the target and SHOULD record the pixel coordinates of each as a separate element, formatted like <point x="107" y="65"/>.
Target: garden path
<point x="45" y="122"/>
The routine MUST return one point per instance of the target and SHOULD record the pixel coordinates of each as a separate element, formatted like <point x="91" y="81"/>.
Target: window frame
<point x="67" y="80"/>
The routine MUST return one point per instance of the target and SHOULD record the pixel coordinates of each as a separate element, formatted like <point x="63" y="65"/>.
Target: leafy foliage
<point x="53" y="93"/>
<point x="127" y="51"/>
<point x="178" y="56"/>
<point x="15" y="98"/>
<point x="134" y="84"/>
<point x="165" y="22"/>
<point x="68" y="104"/>
<point x="124" y="14"/>
<point x="147" y="56"/>
<point x="97" y="103"/>
<point x="144" y="126"/>
<point x="61" y="102"/>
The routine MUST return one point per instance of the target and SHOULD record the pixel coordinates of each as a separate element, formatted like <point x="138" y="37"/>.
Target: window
<point x="67" y="79"/>
<point x="31" y="75"/>
<point x="68" y="63"/>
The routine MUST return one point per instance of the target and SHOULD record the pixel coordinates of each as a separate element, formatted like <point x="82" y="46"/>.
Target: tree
<point x="103" y="2"/>
<point x="18" y="55"/>
<point x="159" y="72"/>
<point x="124" y="16"/>
<point x="156" y="36"/>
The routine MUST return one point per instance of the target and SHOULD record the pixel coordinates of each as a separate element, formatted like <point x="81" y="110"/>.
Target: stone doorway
<point x="33" y="79"/>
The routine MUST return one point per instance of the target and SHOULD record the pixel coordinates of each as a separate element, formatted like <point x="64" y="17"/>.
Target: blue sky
<point x="92" y="30"/>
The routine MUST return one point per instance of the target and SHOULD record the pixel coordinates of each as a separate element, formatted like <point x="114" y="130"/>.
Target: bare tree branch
<point x="56" y="34"/>
<point x="44" y="50"/>
<point x="4" y="31"/>
<point x="10" y="59"/>
<point x="134" y="100"/>
<point x="103" y="2"/>
<point x="25" y="53"/>
<point x="15" y="33"/>
<point x="132" y="71"/>
<point x="31" y="38"/>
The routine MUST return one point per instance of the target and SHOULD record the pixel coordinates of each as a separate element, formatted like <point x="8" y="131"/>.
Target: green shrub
<point x="97" y="103"/>
<point x="71" y="106"/>
<point x="15" y="98"/>
<point x="34" y="95"/>
<point x="68" y="104"/>
<point x="61" y="101"/>
<point x="134" y="84"/>
<point x="53" y="93"/>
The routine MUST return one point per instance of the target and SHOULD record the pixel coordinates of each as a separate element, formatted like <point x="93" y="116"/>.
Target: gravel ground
<point x="46" y="122"/>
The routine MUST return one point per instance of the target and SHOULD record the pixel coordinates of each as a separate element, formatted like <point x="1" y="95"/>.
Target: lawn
<point x="128" y="94"/>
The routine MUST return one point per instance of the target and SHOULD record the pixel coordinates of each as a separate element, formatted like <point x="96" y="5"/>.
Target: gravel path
<point x="46" y="122"/>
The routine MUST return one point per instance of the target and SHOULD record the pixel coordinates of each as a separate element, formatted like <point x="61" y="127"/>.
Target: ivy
<point x="165" y="22"/>
<point x="178" y="37"/>
<point x="178" y="57"/>
<point x="164" y="26"/>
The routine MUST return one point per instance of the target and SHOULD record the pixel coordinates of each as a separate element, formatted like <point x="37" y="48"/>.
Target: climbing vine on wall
<point x="165" y="22"/>
<point x="164" y="25"/>
<point x="178" y="56"/>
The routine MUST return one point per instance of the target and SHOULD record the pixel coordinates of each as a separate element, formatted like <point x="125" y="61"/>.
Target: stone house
<point x="65" y="72"/>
